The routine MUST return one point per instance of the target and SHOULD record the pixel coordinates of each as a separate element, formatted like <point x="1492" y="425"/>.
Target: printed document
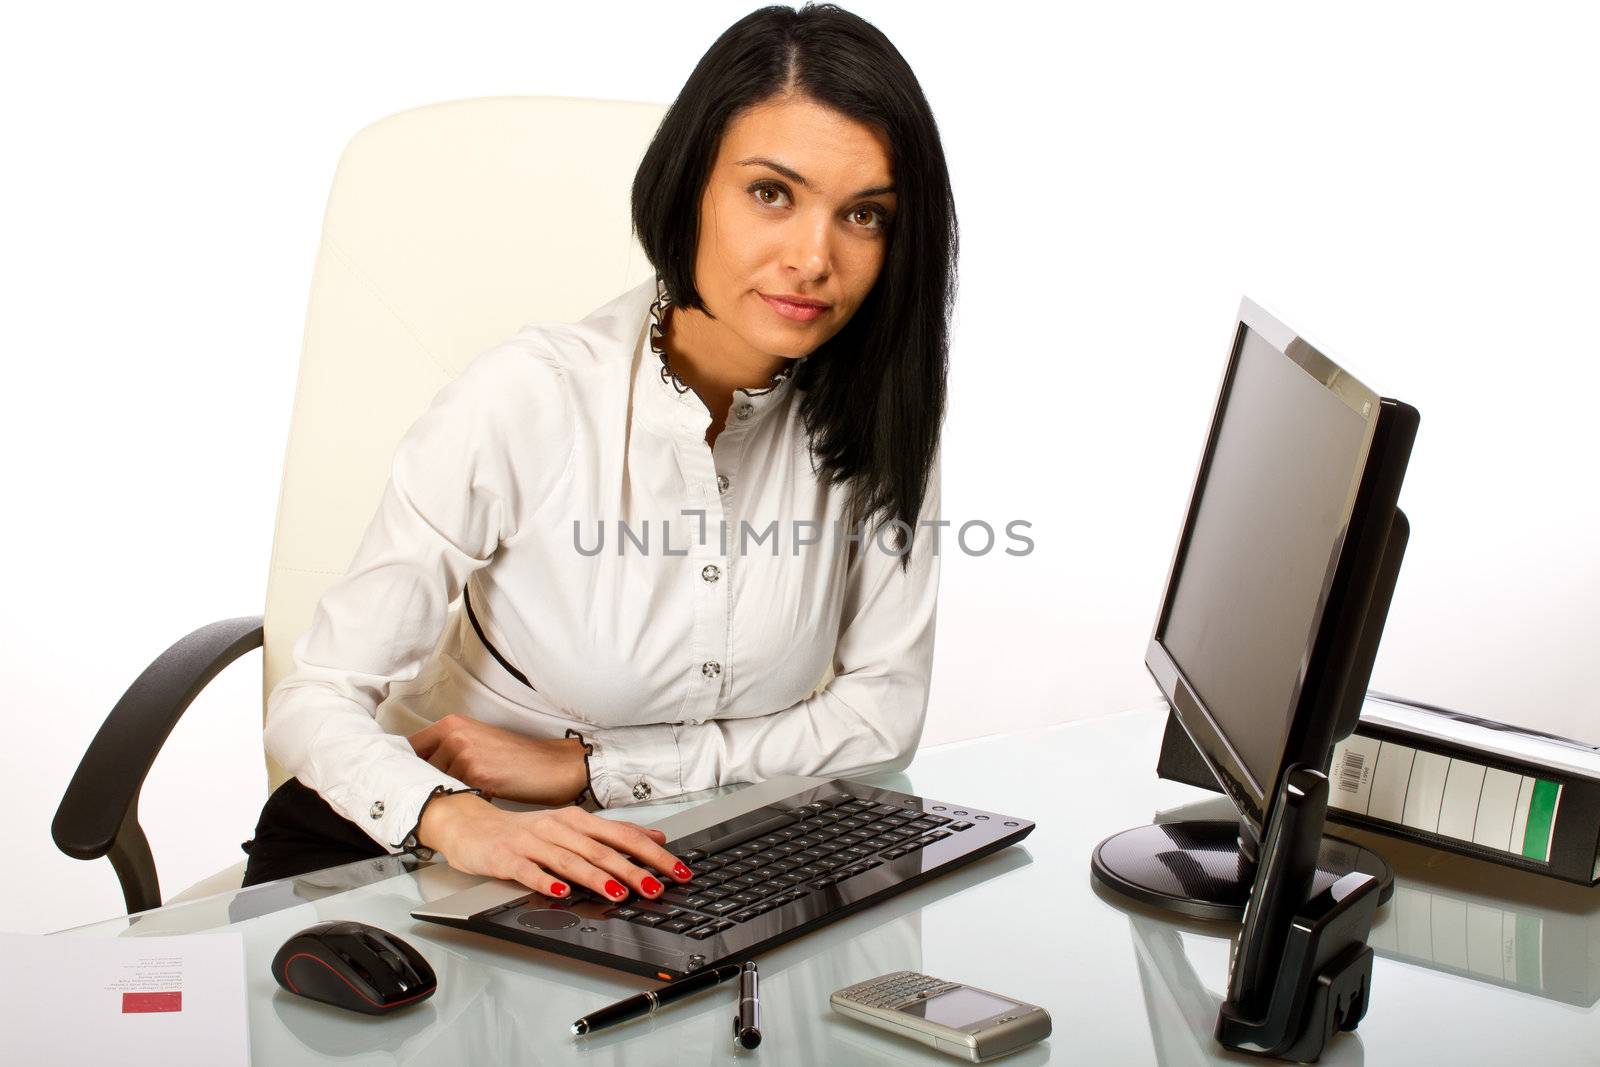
<point x="127" y="1001"/>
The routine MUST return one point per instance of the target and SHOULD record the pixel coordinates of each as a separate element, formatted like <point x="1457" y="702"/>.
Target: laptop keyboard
<point x="810" y="848"/>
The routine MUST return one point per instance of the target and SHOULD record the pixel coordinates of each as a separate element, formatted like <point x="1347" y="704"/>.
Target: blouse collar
<point x="681" y="404"/>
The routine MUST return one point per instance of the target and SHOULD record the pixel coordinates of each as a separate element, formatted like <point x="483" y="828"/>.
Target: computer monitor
<point x="1273" y="607"/>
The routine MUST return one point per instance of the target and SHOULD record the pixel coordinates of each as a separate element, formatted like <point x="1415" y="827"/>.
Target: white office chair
<point x="448" y="227"/>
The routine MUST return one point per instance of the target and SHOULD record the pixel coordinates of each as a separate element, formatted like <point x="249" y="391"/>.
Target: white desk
<point x="1123" y="986"/>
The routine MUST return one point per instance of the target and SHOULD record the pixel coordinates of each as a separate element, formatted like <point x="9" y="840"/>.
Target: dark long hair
<point x="872" y="396"/>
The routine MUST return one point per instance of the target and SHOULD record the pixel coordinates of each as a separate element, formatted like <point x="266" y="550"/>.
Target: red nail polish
<point x="614" y="888"/>
<point x="680" y="870"/>
<point x="558" y="888"/>
<point x="650" y="885"/>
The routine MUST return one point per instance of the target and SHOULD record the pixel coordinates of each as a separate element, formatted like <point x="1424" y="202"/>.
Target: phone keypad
<point x="893" y="990"/>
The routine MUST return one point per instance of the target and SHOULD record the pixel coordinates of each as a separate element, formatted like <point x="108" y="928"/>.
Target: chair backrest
<point x="448" y="227"/>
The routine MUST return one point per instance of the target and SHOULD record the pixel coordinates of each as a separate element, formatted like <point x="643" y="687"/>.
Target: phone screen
<point x="960" y="1007"/>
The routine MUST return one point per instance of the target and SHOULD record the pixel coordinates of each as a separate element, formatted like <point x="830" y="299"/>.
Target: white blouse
<point x="690" y="649"/>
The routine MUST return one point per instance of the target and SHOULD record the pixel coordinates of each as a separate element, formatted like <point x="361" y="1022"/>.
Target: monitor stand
<point x="1196" y="868"/>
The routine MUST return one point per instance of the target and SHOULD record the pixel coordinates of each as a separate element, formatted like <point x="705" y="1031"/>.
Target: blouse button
<point x="743" y="411"/>
<point x="641" y="790"/>
<point x="710" y="668"/>
<point x="376" y="811"/>
<point x="722" y="483"/>
<point x="710" y="572"/>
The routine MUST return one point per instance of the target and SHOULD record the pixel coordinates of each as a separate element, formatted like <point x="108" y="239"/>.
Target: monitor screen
<point x="1268" y="518"/>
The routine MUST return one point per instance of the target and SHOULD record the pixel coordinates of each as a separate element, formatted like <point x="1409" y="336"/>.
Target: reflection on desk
<point x="1489" y="923"/>
<point x="1182" y="1010"/>
<point x="1123" y="987"/>
<point x="1475" y="919"/>
<point x="487" y="1011"/>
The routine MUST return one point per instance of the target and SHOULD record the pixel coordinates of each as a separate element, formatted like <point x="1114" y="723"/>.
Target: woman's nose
<point x="808" y="252"/>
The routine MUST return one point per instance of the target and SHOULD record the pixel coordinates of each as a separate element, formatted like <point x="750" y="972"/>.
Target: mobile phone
<point x="961" y="1020"/>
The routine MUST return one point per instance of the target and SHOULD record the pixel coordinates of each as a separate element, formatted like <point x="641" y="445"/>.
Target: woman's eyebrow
<point x="794" y="176"/>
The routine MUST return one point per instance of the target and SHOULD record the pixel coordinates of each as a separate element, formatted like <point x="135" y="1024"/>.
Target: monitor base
<point x="1194" y="867"/>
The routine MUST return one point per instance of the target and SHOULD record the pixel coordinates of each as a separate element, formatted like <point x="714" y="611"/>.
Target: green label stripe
<point x="1541" y="816"/>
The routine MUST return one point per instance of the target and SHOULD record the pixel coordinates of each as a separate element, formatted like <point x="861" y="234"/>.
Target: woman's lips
<point x="797" y="312"/>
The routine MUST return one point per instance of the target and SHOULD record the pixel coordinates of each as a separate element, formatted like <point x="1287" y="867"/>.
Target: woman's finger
<point x="539" y="880"/>
<point x="572" y="866"/>
<point x="604" y="856"/>
<point x="462" y="770"/>
<point x="425" y="741"/>
<point x="627" y="837"/>
<point x="446" y="753"/>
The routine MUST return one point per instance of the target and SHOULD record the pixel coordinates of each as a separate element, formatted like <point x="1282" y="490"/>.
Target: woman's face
<point x="797" y="204"/>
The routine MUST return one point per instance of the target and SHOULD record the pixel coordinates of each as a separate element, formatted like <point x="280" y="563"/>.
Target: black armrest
<point x="99" y="815"/>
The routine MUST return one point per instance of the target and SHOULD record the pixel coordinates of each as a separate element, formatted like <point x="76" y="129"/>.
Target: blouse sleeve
<point x="868" y="718"/>
<point x="481" y="456"/>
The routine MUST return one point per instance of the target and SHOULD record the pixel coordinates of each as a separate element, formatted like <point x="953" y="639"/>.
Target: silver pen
<point x="747" y="1023"/>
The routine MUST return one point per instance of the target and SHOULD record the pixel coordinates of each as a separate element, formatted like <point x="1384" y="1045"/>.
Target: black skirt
<point x="299" y="832"/>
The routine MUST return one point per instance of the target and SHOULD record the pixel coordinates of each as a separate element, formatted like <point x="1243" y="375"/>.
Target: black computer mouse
<point x="353" y="965"/>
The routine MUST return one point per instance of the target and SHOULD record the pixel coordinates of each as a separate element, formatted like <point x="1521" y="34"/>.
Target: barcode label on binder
<point x="1350" y="771"/>
<point x="1457" y="798"/>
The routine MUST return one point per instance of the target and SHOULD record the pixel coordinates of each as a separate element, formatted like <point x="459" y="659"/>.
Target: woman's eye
<point x="872" y="211"/>
<point x="767" y="187"/>
<point x="867" y="216"/>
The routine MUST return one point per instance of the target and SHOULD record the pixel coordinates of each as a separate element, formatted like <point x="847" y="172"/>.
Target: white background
<point x="1412" y="187"/>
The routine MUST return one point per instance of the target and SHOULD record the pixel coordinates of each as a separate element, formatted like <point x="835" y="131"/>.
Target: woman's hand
<point x="549" y="851"/>
<point x="503" y="763"/>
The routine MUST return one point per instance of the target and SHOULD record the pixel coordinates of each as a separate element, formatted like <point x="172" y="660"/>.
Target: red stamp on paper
<point x="136" y="1003"/>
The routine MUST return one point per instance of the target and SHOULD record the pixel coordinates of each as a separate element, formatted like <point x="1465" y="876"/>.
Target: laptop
<point x="771" y="862"/>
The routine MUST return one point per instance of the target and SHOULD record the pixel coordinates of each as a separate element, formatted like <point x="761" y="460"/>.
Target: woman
<point x="778" y="387"/>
